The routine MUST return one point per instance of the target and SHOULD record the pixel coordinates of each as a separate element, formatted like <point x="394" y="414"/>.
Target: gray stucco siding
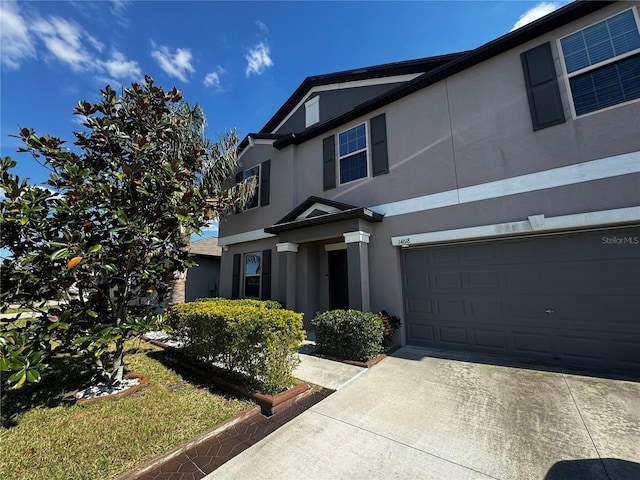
<point x="282" y="188"/>
<point x="598" y="195"/>
<point x="466" y="131"/>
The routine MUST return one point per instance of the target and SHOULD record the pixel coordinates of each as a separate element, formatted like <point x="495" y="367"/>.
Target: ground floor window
<point x="252" y="271"/>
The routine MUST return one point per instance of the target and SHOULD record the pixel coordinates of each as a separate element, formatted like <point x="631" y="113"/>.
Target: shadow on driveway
<point x="611" y="468"/>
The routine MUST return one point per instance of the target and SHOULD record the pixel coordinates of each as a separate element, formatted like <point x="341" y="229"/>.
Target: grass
<point x="44" y="439"/>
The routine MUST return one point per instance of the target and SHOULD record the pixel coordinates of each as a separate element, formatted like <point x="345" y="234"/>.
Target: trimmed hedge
<point x="246" y="337"/>
<point x="242" y="301"/>
<point x="349" y="334"/>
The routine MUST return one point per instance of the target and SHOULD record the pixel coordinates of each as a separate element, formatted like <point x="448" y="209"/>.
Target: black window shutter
<point x="329" y="162"/>
<point x="235" y="286"/>
<point x="265" y="293"/>
<point x="379" y="156"/>
<point x="265" y="179"/>
<point x="541" y="81"/>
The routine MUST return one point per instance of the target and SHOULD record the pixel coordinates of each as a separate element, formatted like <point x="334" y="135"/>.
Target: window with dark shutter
<point x="379" y="156"/>
<point x="541" y="81"/>
<point x="329" y="162"/>
<point x="265" y="291"/>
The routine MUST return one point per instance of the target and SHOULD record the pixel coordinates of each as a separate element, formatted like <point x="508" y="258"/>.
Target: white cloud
<point x="258" y="59"/>
<point x="212" y="79"/>
<point x="68" y="42"/>
<point x="16" y="43"/>
<point x="176" y="64"/>
<point x="118" y="67"/>
<point x="263" y="28"/>
<point x="540" y="10"/>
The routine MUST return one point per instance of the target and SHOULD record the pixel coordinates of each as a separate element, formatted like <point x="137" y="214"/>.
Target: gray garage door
<point x="571" y="299"/>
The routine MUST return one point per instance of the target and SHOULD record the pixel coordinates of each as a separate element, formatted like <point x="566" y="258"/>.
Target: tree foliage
<point x="109" y="224"/>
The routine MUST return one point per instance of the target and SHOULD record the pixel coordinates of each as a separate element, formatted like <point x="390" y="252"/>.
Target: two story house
<point x="490" y="198"/>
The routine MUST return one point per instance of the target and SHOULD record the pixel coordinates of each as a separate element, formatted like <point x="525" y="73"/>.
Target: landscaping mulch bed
<point x="269" y="404"/>
<point x="368" y="364"/>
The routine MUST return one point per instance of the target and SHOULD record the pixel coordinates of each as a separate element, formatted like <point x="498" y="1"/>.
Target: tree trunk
<point x="178" y="288"/>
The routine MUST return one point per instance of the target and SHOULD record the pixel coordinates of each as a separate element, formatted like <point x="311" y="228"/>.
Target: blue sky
<point x="239" y="60"/>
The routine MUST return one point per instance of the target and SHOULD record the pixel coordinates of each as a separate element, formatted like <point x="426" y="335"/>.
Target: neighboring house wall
<point x="463" y="152"/>
<point x="203" y="281"/>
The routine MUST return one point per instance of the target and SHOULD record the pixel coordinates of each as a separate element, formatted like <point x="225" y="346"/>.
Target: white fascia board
<point x="625" y="164"/>
<point x="250" y="236"/>
<point x="253" y="143"/>
<point x="340" y="86"/>
<point x="535" y="224"/>
<point x="317" y="206"/>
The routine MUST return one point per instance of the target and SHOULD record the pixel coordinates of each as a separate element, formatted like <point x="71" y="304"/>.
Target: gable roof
<point x="207" y="247"/>
<point x="420" y="65"/>
<point x="458" y="63"/>
<point x="319" y="211"/>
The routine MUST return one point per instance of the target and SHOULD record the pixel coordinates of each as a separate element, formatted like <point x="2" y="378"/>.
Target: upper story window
<point x="357" y="147"/>
<point x="352" y="150"/>
<point x="253" y="201"/>
<point x="603" y="63"/>
<point x="312" y="111"/>
<point x="262" y="190"/>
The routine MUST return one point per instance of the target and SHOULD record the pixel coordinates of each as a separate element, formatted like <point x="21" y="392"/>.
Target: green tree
<point x="218" y="166"/>
<point x="111" y="222"/>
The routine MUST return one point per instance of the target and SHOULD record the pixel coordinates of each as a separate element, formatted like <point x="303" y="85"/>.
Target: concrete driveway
<point x="417" y="416"/>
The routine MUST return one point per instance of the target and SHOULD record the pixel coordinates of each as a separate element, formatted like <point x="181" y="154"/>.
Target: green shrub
<point x="349" y="334"/>
<point x="245" y="337"/>
<point x="242" y="301"/>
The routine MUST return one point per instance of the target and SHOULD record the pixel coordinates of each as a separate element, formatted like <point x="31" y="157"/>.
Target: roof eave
<point x="560" y="17"/>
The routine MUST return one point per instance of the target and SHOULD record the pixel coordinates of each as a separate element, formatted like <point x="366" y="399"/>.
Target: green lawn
<point x="44" y="439"/>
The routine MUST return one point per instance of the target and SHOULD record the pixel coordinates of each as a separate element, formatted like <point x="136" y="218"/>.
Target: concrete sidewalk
<point x="415" y="415"/>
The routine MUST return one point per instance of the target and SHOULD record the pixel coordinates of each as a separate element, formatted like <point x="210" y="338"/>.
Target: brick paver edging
<point x="157" y="462"/>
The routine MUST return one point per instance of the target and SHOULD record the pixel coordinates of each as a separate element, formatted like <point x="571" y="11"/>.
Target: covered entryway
<point x="571" y="298"/>
<point x="323" y="256"/>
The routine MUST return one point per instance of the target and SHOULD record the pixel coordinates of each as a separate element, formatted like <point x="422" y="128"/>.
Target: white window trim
<point x="569" y="76"/>
<point x="257" y="197"/>
<point x="366" y="150"/>
<point x="312" y="111"/>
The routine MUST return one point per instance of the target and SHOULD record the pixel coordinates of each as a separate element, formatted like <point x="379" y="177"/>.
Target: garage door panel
<point x="447" y="280"/>
<point x="624" y="314"/>
<point x="445" y="255"/>
<point x="450" y="335"/>
<point x="572" y="347"/>
<point x="571" y="299"/>
<point x="626" y="352"/>
<point x="487" y="308"/>
<point x="423" y="335"/>
<point x="453" y="308"/>
<point x="533" y="343"/>
<point x="483" y="279"/>
<point x="492" y="339"/>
